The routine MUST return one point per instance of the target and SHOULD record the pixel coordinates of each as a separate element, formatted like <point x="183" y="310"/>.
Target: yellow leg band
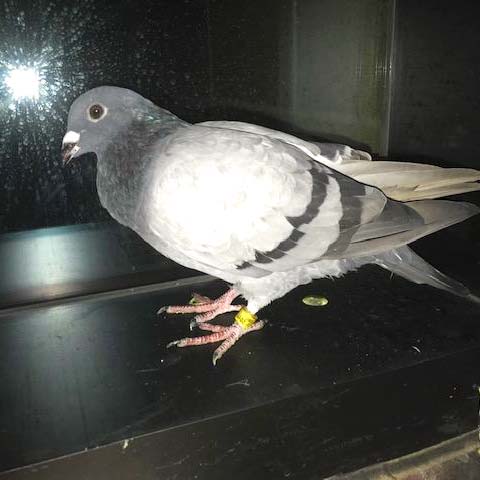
<point x="245" y="319"/>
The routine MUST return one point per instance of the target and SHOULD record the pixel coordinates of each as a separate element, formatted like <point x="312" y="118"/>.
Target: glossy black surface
<point x="93" y="371"/>
<point x="49" y="264"/>
<point x="435" y="82"/>
<point x="309" y="435"/>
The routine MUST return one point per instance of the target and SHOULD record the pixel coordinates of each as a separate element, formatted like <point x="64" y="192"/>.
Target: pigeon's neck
<point x="123" y="164"/>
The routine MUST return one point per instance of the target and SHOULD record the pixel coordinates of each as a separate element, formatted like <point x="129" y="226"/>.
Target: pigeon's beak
<point x="70" y="146"/>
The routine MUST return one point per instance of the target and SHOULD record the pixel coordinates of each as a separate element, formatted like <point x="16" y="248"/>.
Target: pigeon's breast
<point x="119" y="189"/>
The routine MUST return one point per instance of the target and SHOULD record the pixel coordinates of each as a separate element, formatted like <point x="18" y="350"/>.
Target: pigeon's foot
<point x="245" y="322"/>
<point x="207" y="308"/>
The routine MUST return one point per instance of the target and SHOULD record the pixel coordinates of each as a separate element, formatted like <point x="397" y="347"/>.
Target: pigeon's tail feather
<point x="473" y="298"/>
<point x="440" y="214"/>
<point x="433" y="215"/>
<point x="412" y="181"/>
<point x="405" y="262"/>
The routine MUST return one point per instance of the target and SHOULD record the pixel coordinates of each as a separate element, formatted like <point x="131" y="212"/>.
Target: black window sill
<point x="61" y="262"/>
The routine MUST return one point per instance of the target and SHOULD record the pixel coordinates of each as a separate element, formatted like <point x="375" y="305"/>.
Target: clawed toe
<point x="193" y="323"/>
<point x="207" y="310"/>
<point x="227" y="335"/>
<point x="200" y="299"/>
<point x="205" y="306"/>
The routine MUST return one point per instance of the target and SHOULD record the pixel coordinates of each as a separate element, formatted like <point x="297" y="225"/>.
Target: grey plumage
<point x="405" y="262"/>
<point x="261" y="209"/>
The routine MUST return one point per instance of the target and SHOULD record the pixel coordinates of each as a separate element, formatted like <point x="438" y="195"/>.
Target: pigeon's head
<point x="97" y="117"/>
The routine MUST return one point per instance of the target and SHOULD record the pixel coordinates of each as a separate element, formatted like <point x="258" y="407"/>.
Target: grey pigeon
<point x="263" y="210"/>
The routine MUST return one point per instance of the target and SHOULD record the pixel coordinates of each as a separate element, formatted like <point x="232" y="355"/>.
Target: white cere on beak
<point x="71" y="137"/>
<point x="70" y="146"/>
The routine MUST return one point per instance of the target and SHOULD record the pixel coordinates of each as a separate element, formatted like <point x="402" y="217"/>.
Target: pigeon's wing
<point x="333" y="155"/>
<point x="242" y="202"/>
<point x="404" y="181"/>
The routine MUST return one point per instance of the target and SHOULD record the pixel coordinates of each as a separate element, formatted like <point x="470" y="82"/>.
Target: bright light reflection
<point x="23" y="82"/>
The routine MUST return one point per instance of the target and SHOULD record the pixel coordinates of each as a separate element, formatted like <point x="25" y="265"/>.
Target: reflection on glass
<point x="23" y="82"/>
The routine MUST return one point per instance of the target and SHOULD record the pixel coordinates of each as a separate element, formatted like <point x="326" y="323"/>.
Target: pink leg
<point x="197" y="298"/>
<point x="210" y="327"/>
<point x="216" y="336"/>
<point x="206" y="317"/>
<point x="229" y="335"/>
<point x="208" y="309"/>
<point x="232" y="339"/>
<point x="205" y="305"/>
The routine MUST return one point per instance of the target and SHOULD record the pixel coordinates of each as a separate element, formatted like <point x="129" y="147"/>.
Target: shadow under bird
<point x="263" y="210"/>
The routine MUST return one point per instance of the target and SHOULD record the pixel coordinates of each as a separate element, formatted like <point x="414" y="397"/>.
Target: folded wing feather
<point x="272" y="204"/>
<point x="401" y="181"/>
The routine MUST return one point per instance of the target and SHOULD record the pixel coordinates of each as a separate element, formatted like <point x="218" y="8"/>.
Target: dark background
<point x="436" y="81"/>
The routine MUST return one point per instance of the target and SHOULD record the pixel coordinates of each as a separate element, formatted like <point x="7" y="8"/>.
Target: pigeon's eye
<point x="96" y="112"/>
